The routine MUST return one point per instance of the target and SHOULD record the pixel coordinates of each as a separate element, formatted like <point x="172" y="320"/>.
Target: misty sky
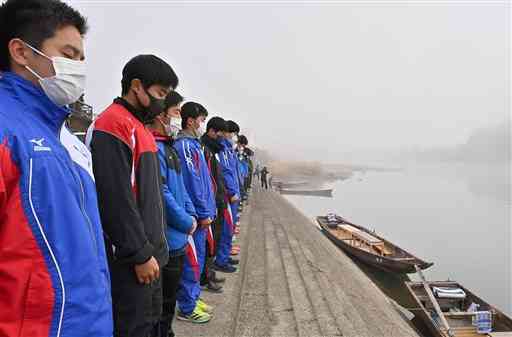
<point x="316" y="79"/>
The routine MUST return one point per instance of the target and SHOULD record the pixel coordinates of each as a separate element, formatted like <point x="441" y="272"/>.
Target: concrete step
<point x="357" y="298"/>
<point x="226" y="304"/>
<point x="282" y="318"/>
<point x="252" y="316"/>
<point x="318" y="305"/>
<point x="294" y="282"/>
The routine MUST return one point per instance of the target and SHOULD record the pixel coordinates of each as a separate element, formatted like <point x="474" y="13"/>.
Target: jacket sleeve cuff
<point x="189" y="224"/>
<point x="144" y="254"/>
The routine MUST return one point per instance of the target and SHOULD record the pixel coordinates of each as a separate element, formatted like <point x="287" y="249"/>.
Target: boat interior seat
<point x="359" y="234"/>
<point x="466" y="331"/>
<point x="383" y="249"/>
<point x="460" y="314"/>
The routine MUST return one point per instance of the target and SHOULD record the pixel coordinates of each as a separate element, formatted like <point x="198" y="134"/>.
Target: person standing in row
<point x="243" y="164"/>
<point x="232" y="139"/>
<point x="181" y="214"/>
<point x="212" y="147"/>
<point x="128" y="180"/>
<point x="199" y="187"/>
<point x="54" y="278"/>
<point x="248" y="155"/>
<point x="232" y="196"/>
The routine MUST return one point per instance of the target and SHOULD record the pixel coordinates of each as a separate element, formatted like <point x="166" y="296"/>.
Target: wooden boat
<point x="316" y="193"/>
<point x="456" y="321"/>
<point x="369" y="247"/>
<point x="290" y="184"/>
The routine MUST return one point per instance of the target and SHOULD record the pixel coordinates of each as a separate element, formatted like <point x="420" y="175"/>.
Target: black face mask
<point x="156" y="107"/>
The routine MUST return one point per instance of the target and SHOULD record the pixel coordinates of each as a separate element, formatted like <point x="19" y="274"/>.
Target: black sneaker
<point x="224" y="269"/>
<point x="213" y="288"/>
<point x="216" y="279"/>
<point x="233" y="262"/>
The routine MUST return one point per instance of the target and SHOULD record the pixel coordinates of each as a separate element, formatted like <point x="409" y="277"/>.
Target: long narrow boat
<point x="316" y="193"/>
<point x="290" y="184"/>
<point x="455" y="312"/>
<point x="369" y="247"/>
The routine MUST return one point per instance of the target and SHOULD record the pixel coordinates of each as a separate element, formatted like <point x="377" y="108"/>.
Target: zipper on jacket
<point x="91" y="229"/>
<point x="160" y="205"/>
<point x="84" y="213"/>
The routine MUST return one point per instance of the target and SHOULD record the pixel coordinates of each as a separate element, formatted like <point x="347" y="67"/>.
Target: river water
<point x="458" y="217"/>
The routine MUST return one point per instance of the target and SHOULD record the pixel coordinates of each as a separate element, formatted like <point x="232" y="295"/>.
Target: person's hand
<point x="194" y="226"/>
<point x="234" y="199"/>
<point x="205" y="222"/>
<point x="148" y="271"/>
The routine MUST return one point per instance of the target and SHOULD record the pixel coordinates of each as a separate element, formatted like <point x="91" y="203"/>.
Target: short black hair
<point x="248" y="152"/>
<point x="34" y="21"/>
<point x="232" y="127"/>
<point x="217" y="124"/>
<point x="150" y="70"/>
<point x="191" y="110"/>
<point x="172" y="99"/>
<point x="242" y="140"/>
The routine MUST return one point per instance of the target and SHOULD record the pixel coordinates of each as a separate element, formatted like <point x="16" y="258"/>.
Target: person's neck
<point x="157" y="127"/>
<point x="25" y="74"/>
<point x="190" y="132"/>
<point x="132" y="100"/>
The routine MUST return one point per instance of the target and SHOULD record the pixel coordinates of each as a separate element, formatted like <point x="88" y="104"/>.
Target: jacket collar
<point x="228" y="145"/>
<point x="213" y="145"/>
<point x="134" y="111"/>
<point x="186" y="134"/>
<point x="36" y="101"/>
<point x="161" y="137"/>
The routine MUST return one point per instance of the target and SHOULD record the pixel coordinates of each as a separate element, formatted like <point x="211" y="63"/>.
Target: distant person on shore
<point x="257" y="171"/>
<point x="264" y="175"/>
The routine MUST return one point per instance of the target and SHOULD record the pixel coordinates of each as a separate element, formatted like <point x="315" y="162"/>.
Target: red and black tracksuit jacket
<point x="128" y="182"/>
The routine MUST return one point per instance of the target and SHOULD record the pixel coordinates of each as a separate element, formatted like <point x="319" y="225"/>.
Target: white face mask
<point x="174" y="127"/>
<point x="202" y="129"/>
<point x="167" y="127"/>
<point x="68" y="84"/>
<point x="176" y="122"/>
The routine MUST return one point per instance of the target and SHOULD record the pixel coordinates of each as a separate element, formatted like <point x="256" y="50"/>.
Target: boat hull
<point x="501" y="322"/>
<point x="317" y="193"/>
<point x="384" y="263"/>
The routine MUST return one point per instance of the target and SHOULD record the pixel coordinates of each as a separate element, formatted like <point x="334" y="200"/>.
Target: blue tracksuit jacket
<point x="54" y="278"/>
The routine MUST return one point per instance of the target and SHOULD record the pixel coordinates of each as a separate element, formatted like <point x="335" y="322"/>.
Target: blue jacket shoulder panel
<point x="196" y="177"/>
<point x="228" y="170"/>
<point x="173" y="192"/>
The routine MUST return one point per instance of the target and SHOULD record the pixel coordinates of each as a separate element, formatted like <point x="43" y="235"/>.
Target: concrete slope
<point x="294" y="282"/>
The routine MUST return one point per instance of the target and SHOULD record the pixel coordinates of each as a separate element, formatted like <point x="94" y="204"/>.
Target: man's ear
<point x="136" y="86"/>
<point x="18" y="52"/>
